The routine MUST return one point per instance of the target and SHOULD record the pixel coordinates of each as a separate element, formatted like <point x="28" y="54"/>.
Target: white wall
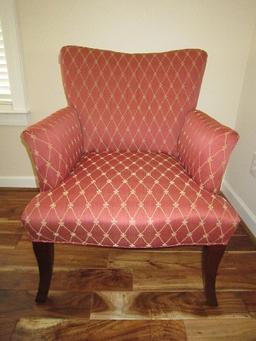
<point x="240" y="184"/>
<point x="223" y="28"/>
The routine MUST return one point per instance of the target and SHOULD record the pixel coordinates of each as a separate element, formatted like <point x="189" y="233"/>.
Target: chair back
<point x="131" y="102"/>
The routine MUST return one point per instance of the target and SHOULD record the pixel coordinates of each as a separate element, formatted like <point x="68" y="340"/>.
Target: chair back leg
<point x="212" y="255"/>
<point x="44" y="253"/>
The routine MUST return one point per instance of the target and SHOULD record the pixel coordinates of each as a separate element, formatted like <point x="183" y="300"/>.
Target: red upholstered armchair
<point x="130" y="162"/>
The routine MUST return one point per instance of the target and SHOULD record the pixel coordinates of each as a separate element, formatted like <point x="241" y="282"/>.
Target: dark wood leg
<point x="44" y="253"/>
<point x="211" y="258"/>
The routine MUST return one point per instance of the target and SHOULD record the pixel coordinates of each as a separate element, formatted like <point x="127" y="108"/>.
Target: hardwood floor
<point x="113" y="294"/>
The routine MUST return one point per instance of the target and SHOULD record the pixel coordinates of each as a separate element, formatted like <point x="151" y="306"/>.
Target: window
<point x="5" y="91"/>
<point x="13" y="109"/>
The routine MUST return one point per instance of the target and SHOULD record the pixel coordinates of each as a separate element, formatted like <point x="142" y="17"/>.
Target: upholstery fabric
<point x="133" y="200"/>
<point x="56" y="144"/>
<point x="204" y="148"/>
<point x="131" y="102"/>
<point x="130" y="162"/>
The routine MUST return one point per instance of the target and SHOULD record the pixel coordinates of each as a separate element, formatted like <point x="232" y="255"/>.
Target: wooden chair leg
<point x="211" y="258"/>
<point x="44" y="253"/>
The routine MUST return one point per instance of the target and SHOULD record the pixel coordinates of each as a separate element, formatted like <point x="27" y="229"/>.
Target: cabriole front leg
<point x="211" y="258"/>
<point x="44" y="253"/>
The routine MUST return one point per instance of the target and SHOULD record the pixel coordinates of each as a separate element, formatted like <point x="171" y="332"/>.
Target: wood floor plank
<point x="223" y="330"/>
<point x="165" y="306"/>
<point x="10" y="226"/>
<point x="10" y="233"/>
<point x="93" y="279"/>
<point x="249" y="298"/>
<point x="13" y="202"/>
<point x="82" y="330"/>
<point x="16" y="259"/>
<point x="9" y="240"/>
<point x="231" y="279"/>
<point x="75" y="280"/>
<point x="192" y="305"/>
<point x="7" y="326"/>
<point x="240" y="261"/>
<point x="156" y="280"/>
<point x="190" y="278"/>
<point x="248" y="231"/>
<point x="241" y="231"/>
<point x="20" y="258"/>
<point x="17" y="304"/>
<point x="12" y="209"/>
<point x="154" y="260"/>
<point x="168" y="331"/>
<point x="62" y="329"/>
<point x="119" y="305"/>
<point x="241" y="243"/>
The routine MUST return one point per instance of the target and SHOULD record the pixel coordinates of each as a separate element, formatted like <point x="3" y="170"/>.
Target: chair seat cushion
<point x="133" y="200"/>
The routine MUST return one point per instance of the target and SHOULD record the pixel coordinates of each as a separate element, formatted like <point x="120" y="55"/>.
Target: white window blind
<point x="13" y="107"/>
<point x="5" y="90"/>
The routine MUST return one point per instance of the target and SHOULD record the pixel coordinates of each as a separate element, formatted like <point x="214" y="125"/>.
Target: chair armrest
<point x="204" y="148"/>
<point x="56" y="144"/>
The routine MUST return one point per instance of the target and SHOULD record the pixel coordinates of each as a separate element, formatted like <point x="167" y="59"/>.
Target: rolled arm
<point x="56" y="144"/>
<point x="204" y="148"/>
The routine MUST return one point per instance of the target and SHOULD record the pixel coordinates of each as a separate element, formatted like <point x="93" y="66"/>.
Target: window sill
<point x="14" y="118"/>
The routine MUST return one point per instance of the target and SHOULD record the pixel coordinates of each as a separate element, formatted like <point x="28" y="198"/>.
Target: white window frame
<point x="17" y="113"/>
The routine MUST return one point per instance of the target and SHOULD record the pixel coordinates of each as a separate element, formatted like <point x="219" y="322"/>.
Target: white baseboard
<point x="18" y="181"/>
<point x="243" y="210"/>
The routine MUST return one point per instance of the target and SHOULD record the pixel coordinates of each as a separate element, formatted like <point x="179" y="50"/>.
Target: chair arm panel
<point x="204" y="148"/>
<point x="56" y="144"/>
